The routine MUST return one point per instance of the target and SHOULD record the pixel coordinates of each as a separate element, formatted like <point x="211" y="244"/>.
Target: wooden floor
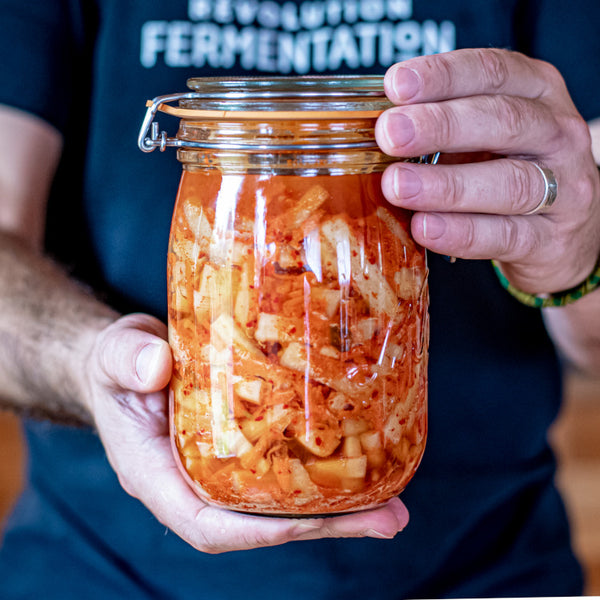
<point x="11" y="459"/>
<point x="576" y="437"/>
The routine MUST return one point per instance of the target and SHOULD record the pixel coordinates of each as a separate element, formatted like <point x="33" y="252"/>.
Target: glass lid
<point x="308" y="93"/>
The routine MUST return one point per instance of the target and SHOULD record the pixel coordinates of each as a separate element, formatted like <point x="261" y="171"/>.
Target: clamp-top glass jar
<point x="297" y="298"/>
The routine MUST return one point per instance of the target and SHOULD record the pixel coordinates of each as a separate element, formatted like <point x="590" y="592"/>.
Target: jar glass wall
<point x="297" y="302"/>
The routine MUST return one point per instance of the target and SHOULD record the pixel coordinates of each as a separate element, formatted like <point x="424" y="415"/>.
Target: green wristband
<point x="556" y="299"/>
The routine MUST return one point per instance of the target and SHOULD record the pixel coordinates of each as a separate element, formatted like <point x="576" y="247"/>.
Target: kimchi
<point x="299" y="326"/>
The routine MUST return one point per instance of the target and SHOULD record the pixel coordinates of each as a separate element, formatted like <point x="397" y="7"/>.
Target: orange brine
<point x="299" y="326"/>
<point x="298" y="301"/>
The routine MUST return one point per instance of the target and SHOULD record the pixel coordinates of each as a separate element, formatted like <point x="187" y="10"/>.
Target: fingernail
<point x="378" y="534"/>
<point x="400" y="512"/>
<point x="405" y="83"/>
<point x="147" y="361"/>
<point x="434" y="227"/>
<point x="401" y="129"/>
<point x="305" y="528"/>
<point x="406" y="183"/>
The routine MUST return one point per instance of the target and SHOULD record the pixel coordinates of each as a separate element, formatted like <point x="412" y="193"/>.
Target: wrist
<point x="575" y="330"/>
<point x="556" y="299"/>
<point x="47" y="326"/>
<point x="85" y="363"/>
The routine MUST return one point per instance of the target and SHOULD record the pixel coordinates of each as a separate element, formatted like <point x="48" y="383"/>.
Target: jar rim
<point x="286" y="96"/>
<point x="308" y="99"/>
<point x="305" y="86"/>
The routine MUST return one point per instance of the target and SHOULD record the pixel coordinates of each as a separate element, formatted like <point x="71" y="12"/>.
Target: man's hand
<point x="502" y="103"/>
<point x="128" y="369"/>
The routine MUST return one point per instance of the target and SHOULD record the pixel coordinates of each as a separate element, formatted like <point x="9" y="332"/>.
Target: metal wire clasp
<point x="150" y="136"/>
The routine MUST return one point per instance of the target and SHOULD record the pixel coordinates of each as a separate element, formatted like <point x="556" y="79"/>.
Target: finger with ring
<point x="550" y="191"/>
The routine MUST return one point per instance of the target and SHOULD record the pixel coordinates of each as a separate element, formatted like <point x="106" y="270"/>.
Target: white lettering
<point x="294" y="53"/>
<point x="248" y="48"/>
<point x="447" y="36"/>
<point x="350" y="11"/>
<point x="236" y="43"/>
<point x="386" y="44"/>
<point x="407" y="36"/>
<point x="199" y="10"/>
<point x="269" y="15"/>
<point x="223" y="11"/>
<point x="285" y="53"/>
<point x="343" y="49"/>
<point x="334" y="12"/>
<point x="293" y="37"/>
<point x="438" y="38"/>
<point x="206" y="45"/>
<point x="372" y="10"/>
<point x="367" y="34"/>
<point x="177" y="52"/>
<point x="399" y="9"/>
<point x="289" y="17"/>
<point x="320" y="39"/>
<point x="431" y="41"/>
<point x="152" y="42"/>
<point x="312" y="15"/>
<point x="245" y="11"/>
<point x="266" y="56"/>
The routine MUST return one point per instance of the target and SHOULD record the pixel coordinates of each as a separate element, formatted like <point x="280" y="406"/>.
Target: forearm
<point x="48" y="324"/>
<point x="575" y="329"/>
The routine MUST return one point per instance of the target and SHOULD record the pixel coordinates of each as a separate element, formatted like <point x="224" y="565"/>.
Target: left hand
<point x="518" y="110"/>
<point x="124" y="389"/>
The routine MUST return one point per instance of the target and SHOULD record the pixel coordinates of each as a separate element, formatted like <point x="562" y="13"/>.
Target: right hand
<point x="128" y="370"/>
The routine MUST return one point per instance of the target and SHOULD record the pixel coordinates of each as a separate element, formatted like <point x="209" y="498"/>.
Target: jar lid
<point x="276" y="98"/>
<point x="270" y="87"/>
<point x="315" y="97"/>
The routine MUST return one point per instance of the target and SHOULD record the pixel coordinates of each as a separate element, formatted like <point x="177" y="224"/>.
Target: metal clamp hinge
<point x="151" y="137"/>
<point x="158" y="139"/>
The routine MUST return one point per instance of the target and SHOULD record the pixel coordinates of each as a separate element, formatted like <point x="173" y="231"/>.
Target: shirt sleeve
<point x="41" y="45"/>
<point x="567" y="34"/>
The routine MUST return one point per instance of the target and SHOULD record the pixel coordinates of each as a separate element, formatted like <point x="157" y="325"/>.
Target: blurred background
<point x="576" y="438"/>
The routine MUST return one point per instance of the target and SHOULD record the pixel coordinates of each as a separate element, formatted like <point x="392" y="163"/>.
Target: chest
<point x="294" y="37"/>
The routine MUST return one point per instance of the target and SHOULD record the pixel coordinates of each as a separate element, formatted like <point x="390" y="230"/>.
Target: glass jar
<point x="297" y="299"/>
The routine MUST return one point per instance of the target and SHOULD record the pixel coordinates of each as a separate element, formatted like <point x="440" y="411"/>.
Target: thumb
<point x="133" y="354"/>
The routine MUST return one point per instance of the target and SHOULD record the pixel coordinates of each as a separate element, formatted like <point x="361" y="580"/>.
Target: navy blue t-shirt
<point x="485" y="516"/>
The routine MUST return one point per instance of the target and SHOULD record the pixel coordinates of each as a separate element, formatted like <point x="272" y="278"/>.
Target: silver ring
<point x="550" y="190"/>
